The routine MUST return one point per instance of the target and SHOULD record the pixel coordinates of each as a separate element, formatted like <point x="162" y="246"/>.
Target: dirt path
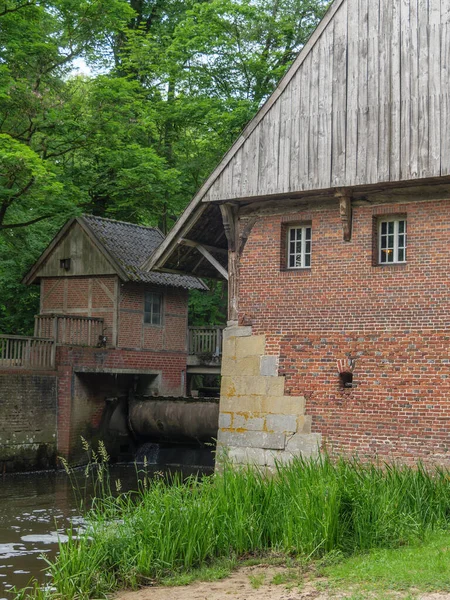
<point x="255" y="583"/>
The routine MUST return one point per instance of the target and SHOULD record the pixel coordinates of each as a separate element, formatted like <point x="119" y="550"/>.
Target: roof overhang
<point x="201" y="223"/>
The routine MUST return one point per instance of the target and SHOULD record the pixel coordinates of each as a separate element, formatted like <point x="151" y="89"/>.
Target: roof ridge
<point x="95" y="217"/>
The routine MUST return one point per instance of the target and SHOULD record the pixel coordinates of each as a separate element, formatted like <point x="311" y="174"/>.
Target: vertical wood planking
<point x="273" y="150"/>
<point x="445" y="87"/>
<point x="263" y="153"/>
<point x="369" y="103"/>
<point x="405" y="87"/>
<point x="294" y="132"/>
<point x="303" y="131"/>
<point x="412" y="99"/>
<point x="339" y="97"/>
<point x="395" y="117"/>
<point x="245" y="168"/>
<point x="253" y="163"/>
<point x="285" y="129"/>
<point x="423" y="53"/>
<point x="373" y="74"/>
<point x="384" y="90"/>
<point x="363" y="99"/>
<point x="236" y="175"/>
<point x="351" y="142"/>
<point x="435" y="86"/>
<point x="325" y="106"/>
<point x="313" y="141"/>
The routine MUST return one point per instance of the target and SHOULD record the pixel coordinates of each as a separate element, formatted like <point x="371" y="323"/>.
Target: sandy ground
<point x="239" y="587"/>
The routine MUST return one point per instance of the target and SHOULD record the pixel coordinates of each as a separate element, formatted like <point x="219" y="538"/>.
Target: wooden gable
<point x="85" y="256"/>
<point x="366" y="102"/>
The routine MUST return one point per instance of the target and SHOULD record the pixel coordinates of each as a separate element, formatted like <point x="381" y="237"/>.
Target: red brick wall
<point x="96" y="297"/>
<point x="394" y="320"/>
<point x="134" y="333"/>
<point x="73" y="421"/>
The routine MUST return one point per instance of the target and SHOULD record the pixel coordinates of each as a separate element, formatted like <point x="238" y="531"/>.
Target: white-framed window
<point x="392" y="241"/>
<point x="299" y="247"/>
<point x="153" y="308"/>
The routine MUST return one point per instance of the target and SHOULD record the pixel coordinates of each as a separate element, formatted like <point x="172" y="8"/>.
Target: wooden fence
<point x="21" y="352"/>
<point x="69" y="330"/>
<point x="205" y="340"/>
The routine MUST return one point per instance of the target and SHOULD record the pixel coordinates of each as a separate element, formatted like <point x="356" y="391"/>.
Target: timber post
<point x="230" y="224"/>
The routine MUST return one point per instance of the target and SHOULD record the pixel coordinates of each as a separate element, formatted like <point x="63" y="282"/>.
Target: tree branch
<point x="7" y="10"/>
<point x="25" y="223"/>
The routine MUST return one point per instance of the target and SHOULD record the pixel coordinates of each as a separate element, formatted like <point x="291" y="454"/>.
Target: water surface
<point x="35" y="510"/>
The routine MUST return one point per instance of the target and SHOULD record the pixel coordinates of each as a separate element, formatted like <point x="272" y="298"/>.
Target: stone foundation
<point x="258" y="424"/>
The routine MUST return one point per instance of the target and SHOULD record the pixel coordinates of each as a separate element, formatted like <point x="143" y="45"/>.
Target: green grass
<point x="310" y="509"/>
<point x="424" y="567"/>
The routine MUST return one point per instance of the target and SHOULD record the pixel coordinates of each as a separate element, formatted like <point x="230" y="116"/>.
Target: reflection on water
<point x="35" y="510"/>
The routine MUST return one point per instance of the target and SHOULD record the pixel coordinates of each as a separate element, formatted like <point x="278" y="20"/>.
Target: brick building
<point x="334" y="206"/>
<point x="117" y="328"/>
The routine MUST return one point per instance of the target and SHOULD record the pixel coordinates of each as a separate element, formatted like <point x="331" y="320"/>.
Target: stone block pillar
<point x="258" y="424"/>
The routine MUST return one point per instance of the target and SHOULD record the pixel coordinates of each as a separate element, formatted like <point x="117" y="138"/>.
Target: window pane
<point x="299" y="246"/>
<point x="383" y="241"/>
<point x="152" y="308"/>
<point x="401" y="226"/>
<point x="390" y="241"/>
<point x="401" y="255"/>
<point x="383" y="258"/>
<point x="401" y="241"/>
<point x="383" y="228"/>
<point x="391" y="227"/>
<point x="156" y="302"/>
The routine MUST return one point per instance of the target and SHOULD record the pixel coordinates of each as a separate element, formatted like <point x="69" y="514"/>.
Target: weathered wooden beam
<point x="215" y="263"/>
<point x="229" y="224"/>
<point x="192" y="244"/>
<point x="345" y="210"/>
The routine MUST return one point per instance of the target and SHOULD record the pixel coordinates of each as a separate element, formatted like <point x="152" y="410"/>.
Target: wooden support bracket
<point x="215" y="263"/>
<point x="229" y="224"/>
<point x="345" y="210"/>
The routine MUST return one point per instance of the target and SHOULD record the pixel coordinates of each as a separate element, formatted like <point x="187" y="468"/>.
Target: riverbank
<point x="418" y="572"/>
<point x="306" y="511"/>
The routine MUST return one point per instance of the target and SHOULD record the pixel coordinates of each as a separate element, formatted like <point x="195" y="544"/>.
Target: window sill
<point x="299" y="270"/>
<point x="397" y="265"/>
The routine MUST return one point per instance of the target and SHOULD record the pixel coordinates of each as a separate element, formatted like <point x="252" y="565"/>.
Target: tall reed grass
<point x="309" y="508"/>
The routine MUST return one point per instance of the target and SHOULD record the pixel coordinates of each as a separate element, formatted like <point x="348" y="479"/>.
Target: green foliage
<point x="172" y="83"/>
<point x="309" y="509"/>
<point x="208" y="307"/>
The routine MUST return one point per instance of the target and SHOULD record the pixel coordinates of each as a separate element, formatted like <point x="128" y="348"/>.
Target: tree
<point x="173" y="84"/>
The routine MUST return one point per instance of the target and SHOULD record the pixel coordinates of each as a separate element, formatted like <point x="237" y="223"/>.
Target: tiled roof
<point x="130" y="245"/>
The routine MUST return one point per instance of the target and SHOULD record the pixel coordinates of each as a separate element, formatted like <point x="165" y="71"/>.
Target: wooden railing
<point x="69" y="330"/>
<point x="21" y="352"/>
<point x="205" y="340"/>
